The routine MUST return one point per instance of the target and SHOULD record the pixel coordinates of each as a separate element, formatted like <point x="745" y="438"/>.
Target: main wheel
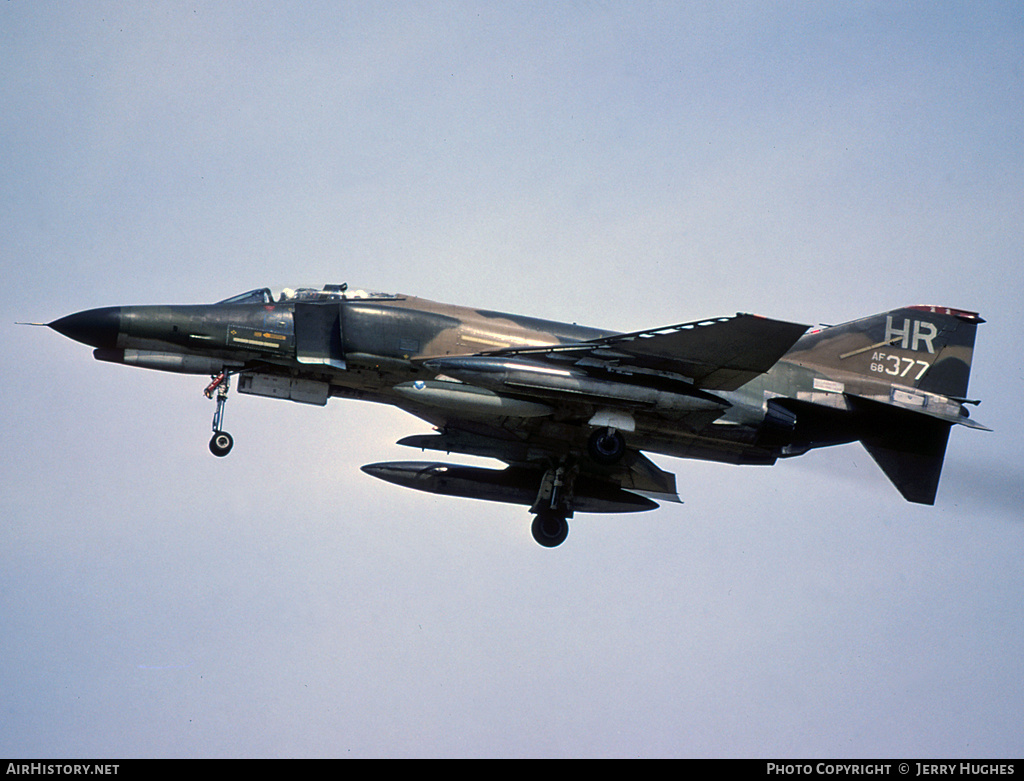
<point x="550" y="529"/>
<point x="606" y="446"/>
<point x="221" y="443"/>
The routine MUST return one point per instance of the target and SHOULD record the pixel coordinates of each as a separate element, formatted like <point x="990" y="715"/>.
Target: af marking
<point x="896" y="365"/>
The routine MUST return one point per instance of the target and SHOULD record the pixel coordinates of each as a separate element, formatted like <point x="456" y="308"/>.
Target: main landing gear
<point x="553" y="506"/>
<point x="222" y="442"/>
<point x="555" y="499"/>
<point x="606" y="446"/>
<point x="550" y="528"/>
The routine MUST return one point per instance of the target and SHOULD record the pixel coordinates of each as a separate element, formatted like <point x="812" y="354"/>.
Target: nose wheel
<point x="222" y="442"/>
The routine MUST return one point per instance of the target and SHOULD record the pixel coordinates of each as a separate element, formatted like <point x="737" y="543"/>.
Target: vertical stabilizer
<point x="924" y="347"/>
<point x="903" y="377"/>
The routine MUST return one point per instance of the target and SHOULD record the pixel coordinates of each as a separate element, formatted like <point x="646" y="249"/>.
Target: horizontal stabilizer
<point x="916" y="402"/>
<point x="908" y="446"/>
<point x="915" y="475"/>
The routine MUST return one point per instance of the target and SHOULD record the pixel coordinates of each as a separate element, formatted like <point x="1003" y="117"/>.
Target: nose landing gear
<point x="222" y="442"/>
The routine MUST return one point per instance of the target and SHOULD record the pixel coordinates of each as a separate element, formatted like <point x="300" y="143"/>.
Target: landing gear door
<point x="318" y="335"/>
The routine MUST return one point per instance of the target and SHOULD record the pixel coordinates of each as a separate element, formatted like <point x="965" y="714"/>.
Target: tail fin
<point x="904" y="376"/>
<point x="925" y="347"/>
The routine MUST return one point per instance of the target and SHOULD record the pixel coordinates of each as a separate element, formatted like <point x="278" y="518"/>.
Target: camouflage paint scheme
<point x="570" y="409"/>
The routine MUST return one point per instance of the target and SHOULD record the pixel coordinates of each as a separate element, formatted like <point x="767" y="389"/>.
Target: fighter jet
<point x="571" y="410"/>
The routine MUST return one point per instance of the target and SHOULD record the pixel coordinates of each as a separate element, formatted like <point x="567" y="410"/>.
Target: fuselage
<point x="373" y="344"/>
<point x="313" y="344"/>
<point x="571" y="409"/>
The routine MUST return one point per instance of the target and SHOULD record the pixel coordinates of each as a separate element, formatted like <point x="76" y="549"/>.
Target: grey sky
<point x="622" y="165"/>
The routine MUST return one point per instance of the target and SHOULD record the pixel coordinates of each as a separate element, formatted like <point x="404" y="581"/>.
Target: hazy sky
<point x="617" y="164"/>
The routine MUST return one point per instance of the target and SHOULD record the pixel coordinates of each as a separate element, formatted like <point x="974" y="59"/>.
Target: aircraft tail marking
<point x="904" y="374"/>
<point x="925" y="347"/>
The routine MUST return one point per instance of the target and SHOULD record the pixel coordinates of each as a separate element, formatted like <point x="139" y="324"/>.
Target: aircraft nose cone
<point x="94" y="327"/>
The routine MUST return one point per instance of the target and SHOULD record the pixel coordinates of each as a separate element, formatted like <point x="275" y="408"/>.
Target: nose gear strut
<point x="221" y="443"/>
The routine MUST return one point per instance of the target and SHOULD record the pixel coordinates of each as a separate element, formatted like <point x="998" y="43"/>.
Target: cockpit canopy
<point x="265" y="295"/>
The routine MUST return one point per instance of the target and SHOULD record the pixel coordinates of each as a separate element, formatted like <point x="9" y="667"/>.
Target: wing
<point x="538" y="405"/>
<point x="719" y="354"/>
